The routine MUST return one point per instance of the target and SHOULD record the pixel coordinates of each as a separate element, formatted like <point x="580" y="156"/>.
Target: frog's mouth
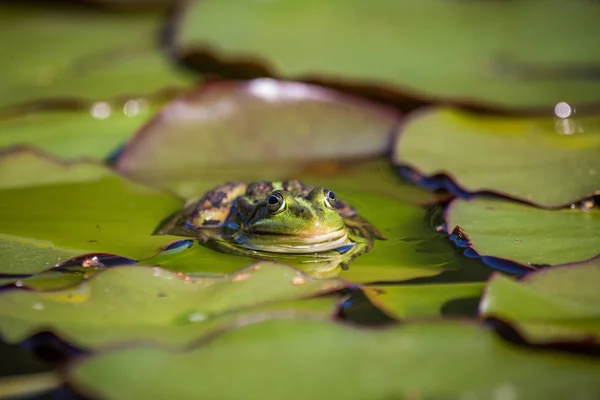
<point x="277" y="243"/>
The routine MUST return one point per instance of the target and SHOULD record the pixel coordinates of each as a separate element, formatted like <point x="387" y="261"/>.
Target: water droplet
<point x="19" y="284"/>
<point x="134" y="106"/>
<point x="197" y="317"/>
<point x="298" y="280"/>
<point x="240" y="277"/>
<point x="562" y="110"/>
<point x="38" y="306"/>
<point x="100" y="110"/>
<point x="573" y="206"/>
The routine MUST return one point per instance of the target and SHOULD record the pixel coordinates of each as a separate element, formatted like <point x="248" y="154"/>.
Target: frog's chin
<point x="293" y="244"/>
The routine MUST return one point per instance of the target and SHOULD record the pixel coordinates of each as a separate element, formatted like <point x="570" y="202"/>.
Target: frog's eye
<point x="275" y="202"/>
<point x="329" y="198"/>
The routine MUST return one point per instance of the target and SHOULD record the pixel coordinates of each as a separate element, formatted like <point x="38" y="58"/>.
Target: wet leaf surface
<point x="101" y="55"/>
<point x="336" y="361"/>
<point x="554" y="304"/>
<point x="262" y="129"/>
<point x="83" y="208"/>
<point x="425" y="300"/>
<point x="526" y="234"/>
<point x="91" y="132"/>
<point x="518" y="59"/>
<point x="25" y="256"/>
<point x="550" y="162"/>
<point x="133" y="304"/>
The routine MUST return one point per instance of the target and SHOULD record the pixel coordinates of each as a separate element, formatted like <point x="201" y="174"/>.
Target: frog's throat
<point x="293" y="244"/>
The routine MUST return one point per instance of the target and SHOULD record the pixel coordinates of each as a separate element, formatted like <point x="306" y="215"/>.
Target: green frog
<point x="276" y="220"/>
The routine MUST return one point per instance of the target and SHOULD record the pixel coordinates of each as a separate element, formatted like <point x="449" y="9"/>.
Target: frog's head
<point x="300" y="223"/>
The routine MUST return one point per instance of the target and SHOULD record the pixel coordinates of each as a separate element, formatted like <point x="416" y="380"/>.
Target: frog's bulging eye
<point x="329" y="198"/>
<point x="275" y="202"/>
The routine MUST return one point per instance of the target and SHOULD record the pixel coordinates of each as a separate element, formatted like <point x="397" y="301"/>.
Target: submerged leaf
<point x="137" y="303"/>
<point x="499" y="53"/>
<point x="526" y="234"/>
<point x="305" y="359"/>
<point x="545" y="161"/>
<point x="554" y="304"/>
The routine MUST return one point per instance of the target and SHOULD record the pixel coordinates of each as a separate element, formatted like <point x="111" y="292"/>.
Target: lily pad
<point x="92" y="132"/>
<point x="262" y="129"/>
<point x="427" y="300"/>
<point x="78" y="208"/>
<point x="545" y="161"/>
<point x="142" y="304"/>
<point x="25" y="256"/>
<point x="526" y="234"/>
<point x="52" y="53"/>
<point x="513" y="58"/>
<point x="24" y="167"/>
<point x="336" y="361"/>
<point x="554" y="304"/>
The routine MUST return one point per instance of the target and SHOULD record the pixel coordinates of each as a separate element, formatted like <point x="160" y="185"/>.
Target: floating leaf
<point x="135" y="303"/>
<point x="425" y="300"/>
<point x="80" y="54"/>
<point x="526" y="234"/>
<point x="92" y="132"/>
<point x="554" y="304"/>
<point x="23" y="167"/>
<point x="304" y="359"/>
<point x="262" y="129"/>
<point x="81" y="208"/>
<point x="25" y="256"/>
<point x="532" y="159"/>
<point x="513" y="58"/>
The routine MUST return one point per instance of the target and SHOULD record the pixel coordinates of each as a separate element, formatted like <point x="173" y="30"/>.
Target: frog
<point x="274" y="220"/>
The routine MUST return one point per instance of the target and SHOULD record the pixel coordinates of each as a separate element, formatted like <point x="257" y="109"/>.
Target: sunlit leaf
<point x="137" y="303"/>
<point x="262" y="129"/>
<point x="559" y="303"/>
<point x="526" y="234"/>
<point x="91" y="133"/>
<point x="549" y="162"/>
<point x="304" y="359"/>
<point x="76" y="208"/>
<point x="404" y="301"/>
<point x="497" y="52"/>
<point x="51" y="53"/>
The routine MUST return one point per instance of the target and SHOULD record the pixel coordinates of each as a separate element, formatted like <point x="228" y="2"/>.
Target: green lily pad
<point x="526" y="234"/>
<point x="25" y="256"/>
<point x="75" y="208"/>
<point x="554" y="304"/>
<point x="24" y="167"/>
<point x="513" y="58"/>
<point x="72" y="134"/>
<point x="52" y="53"/>
<point x="262" y="129"/>
<point x="532" y="159"/>
<point x="455" y="360"/>
<point x="143" y="304"/>
<point x="428" y="300"/>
